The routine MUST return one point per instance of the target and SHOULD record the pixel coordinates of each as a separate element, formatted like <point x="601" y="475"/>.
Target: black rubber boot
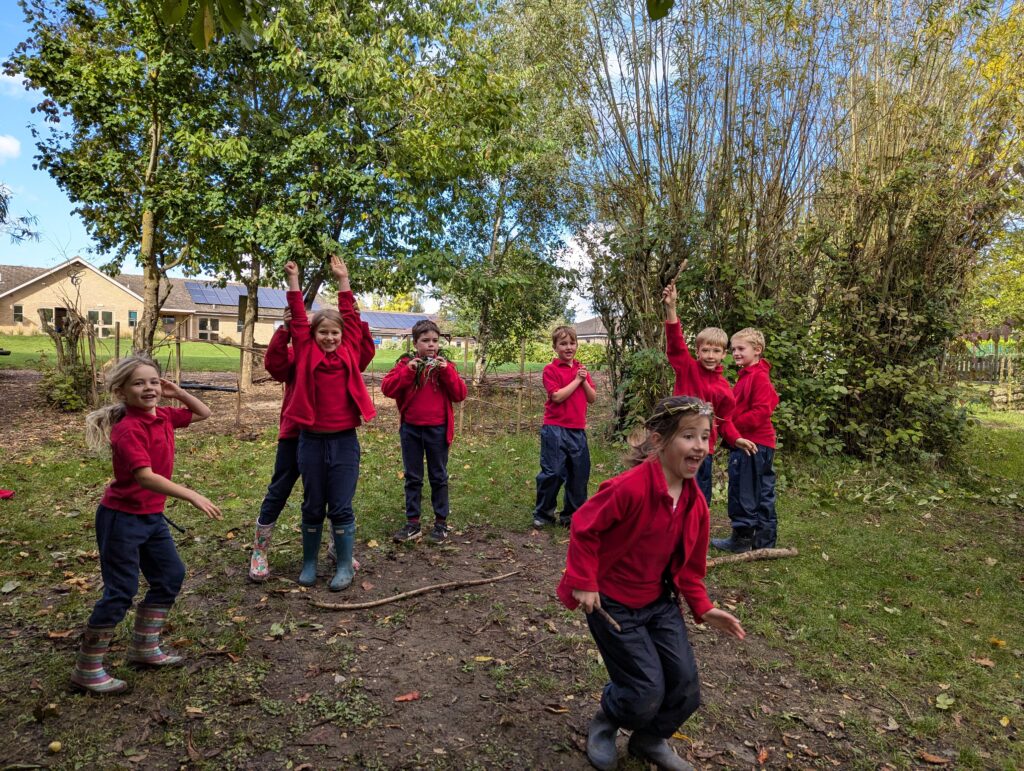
<point x="655" y="750"/>
<point x="601" y="750"/>
<point x="741" y="540"/>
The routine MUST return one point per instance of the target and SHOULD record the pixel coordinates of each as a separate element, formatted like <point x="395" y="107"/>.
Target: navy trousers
<point x="654" y="684"/>
<point x="704" y="477"/>
<point x="564" y="458"/>
<point x="431" y="441"/>
<point x="128" y="544"/>
<point x="752" y="494"/>
<point x="286" y="474"/>
<point x="329" y="464"/>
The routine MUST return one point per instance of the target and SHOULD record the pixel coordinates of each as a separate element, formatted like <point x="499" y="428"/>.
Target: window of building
<point x="133" y="318"/>
<point x="47" y="314"/>
<point x="19" y="314"/>
<point x="209" y="329"/>
<point x="102" y="322"/>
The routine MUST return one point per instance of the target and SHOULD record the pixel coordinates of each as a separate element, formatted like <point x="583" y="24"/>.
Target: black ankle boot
<point x="601" y="750"/>
<point x="655" y="750"/>
<point x="741" y="540"/>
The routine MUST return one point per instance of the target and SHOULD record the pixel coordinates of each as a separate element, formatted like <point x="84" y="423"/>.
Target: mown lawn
<point x="905" y="599"/>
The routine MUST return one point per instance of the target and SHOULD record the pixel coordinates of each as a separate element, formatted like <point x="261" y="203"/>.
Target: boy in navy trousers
<point x="564" y="454"/>
<point x="752" y="477"/>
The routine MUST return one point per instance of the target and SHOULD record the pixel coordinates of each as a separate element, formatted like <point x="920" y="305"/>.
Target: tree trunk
<point x="493" y="266"/>
<point x="145" y="330"/>
<point x="483" y="338"/>
<point x="252" y="286"/>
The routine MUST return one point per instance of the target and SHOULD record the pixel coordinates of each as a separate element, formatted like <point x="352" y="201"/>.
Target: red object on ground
<point x="6" y="494"/>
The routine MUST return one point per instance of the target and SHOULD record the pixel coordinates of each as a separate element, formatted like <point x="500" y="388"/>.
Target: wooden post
<point x="238" y="380"/>
<point x="177" y="359"/>
<point x="92" y="365"/>
<point x="522" y="382"/>
<point x="117" y="341"/>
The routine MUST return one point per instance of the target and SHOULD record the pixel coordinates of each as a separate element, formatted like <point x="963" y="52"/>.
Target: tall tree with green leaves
<point x="119" y="89"/>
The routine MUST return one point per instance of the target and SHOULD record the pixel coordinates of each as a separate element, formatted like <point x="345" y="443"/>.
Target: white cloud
<point x="9" y="147"/>
<point x="11" y="85"/>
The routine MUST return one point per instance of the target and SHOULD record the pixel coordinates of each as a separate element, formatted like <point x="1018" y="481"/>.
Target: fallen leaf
<point x="1004" y="721"/>
<point x="762" y="756"/>
<point x="936" y="760"/>
<point x="411" y="696"/>
<point x="372" y="544"/>
<point x="302" y="699"/>
<point x="277" y="630"/>
<point x="367" y="586"/>
<point x="995" y="642"/>
<point x="483" y="659"/>
<point x="555" y="709"/>
<point x="679" y="736"/>
<point x="195" y="713"/>
<point x="984" y="662"/>
<point x="9" y="586"/>
<point x="54" y="635"/>
<point x="991" y="561"/>
<point x="892" y="725"/>
<point x="824" y="556"/>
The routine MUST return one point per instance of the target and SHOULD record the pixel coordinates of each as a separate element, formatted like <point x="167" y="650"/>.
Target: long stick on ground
<point x="411" y="593"/>
<point x="750" y="556"/>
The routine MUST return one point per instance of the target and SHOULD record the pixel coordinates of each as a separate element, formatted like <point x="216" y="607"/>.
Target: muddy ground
<point x="492" y="676"/>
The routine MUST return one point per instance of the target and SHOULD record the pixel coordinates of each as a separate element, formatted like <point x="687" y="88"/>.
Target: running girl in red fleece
<point x="329" y="401"/>
<point x="642" y="538"/>
<point x="425" y="386"/>
<point x="131" y="529"/>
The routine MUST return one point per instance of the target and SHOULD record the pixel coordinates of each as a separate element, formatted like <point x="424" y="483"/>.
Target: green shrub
<point x="68" y="391"/>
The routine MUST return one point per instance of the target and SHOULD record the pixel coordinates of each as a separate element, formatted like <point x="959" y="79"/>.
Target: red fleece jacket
<point x="356" y="351"/>
<point x="694" y="379"/>
<point x="400" y="384"/>
<point x="279" y="362"/>
<point x="756" y="400"/>
<point x="622" y="512"/>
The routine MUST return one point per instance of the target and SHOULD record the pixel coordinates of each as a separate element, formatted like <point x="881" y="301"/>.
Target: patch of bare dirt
<point x="494" y="676"/>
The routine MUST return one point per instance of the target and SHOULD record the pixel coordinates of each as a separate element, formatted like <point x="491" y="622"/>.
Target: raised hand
<point x="291" y="269"/>
<point x="669" y="295"/>
<point x="169" y="389"/>
<point x="338" y="267"/>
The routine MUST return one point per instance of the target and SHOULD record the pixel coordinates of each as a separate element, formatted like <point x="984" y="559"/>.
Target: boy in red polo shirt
<point x="702" y="378"/>
<point x="425" y="386"/>
<point x="752" y="477"/>
<point x="564" y="454"/>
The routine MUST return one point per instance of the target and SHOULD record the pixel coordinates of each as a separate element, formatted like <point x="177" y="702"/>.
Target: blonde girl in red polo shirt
<point x="640" y="540"/>
<point x="131" y="529"/>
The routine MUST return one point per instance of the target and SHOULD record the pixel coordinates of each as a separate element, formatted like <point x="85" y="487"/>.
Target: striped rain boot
<point x="145" y="648"/>
<point x="259" y="569"/>
<point x="89" y="674"/>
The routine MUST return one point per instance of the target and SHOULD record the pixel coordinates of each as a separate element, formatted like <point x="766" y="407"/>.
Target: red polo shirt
<point x="138" y="440"/>
<point x="571" y="413"/>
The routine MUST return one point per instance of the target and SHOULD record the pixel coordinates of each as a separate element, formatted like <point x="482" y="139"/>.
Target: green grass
<point x="27" y="350"/>
<point x="907" y="587"/>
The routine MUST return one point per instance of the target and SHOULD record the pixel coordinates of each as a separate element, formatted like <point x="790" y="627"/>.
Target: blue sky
<point x="61" y="234"/>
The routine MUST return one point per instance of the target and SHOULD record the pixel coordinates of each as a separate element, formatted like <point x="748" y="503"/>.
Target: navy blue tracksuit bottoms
<point x="654" y="684"/>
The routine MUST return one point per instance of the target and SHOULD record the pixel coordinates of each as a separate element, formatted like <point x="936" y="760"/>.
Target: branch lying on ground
<point x="750" y="556"/>
<point x="412" y="593"/>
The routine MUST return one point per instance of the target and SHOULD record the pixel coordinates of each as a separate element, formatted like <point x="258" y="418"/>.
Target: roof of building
<point x="192" y="295"/>
<point x="588" y="327"/>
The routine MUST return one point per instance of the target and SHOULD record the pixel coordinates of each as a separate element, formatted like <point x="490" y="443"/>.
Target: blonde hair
<point x="563" y="331"/>
<point x="752" y="336"/>
<point x="712" y="336"/>
<point x="99" y="422"/>
<point x="326" y="314"/>
<point x="665" y="421"/>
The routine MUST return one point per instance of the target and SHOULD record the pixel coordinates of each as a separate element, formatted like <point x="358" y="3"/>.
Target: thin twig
<point x="411" y="593"/>
<point x="607" y="617"/>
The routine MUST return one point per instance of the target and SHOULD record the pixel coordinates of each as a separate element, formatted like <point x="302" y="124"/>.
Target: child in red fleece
<point x="425" y="386"/>
<point x="279" y="361"/>
<point x="328" y="402"/>
<point x="641" y="539"/>
<point x="703" y="378"/>
<point x="752" y="477"/>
